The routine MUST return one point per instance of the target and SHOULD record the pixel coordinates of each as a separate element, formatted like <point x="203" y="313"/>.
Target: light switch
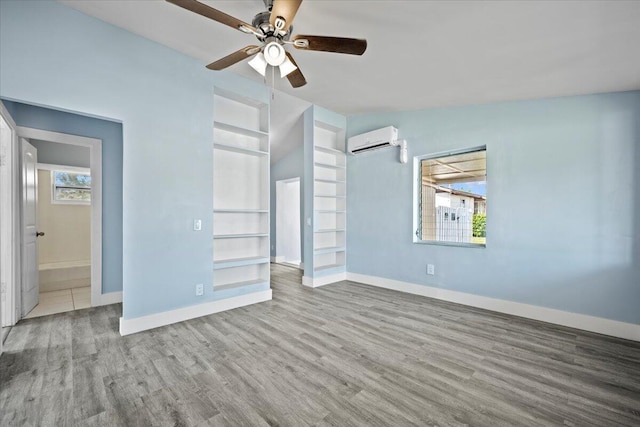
<point x="197" y="224"/>
<point x="309" y="221"/>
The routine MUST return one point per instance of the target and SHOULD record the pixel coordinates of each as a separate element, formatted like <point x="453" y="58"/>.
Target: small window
<point x="452" y="206"/>
<point x="71" y="187"/>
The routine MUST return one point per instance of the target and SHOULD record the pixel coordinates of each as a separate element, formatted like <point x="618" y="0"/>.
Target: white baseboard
<point x="108" y="298"/>
<point x="281" y="260"/>
<point x="629" y="331"/>
<point x="139" y="324"/>
<point x="312" y="282"/>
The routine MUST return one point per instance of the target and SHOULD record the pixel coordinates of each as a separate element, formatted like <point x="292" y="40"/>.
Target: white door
<point x="30" y="286"/>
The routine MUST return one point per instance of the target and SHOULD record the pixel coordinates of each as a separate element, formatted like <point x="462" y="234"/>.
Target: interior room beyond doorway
<point x="288" y="242"/>
<point x="64" y="216"/>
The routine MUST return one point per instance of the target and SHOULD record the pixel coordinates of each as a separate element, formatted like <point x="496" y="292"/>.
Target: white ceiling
<point x="421" y="54"/>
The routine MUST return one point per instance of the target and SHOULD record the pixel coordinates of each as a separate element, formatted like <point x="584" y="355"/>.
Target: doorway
<point x="66" y="268"/>
<point x="288" y="242"/>
<point x="64" y="224"/>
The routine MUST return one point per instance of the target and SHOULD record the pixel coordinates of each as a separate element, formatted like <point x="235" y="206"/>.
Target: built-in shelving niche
<point x="326" y="144"/>
<point x="240" y="192"/>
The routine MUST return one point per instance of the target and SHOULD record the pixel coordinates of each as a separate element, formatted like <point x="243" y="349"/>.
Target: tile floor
<point x="60" y="301"/>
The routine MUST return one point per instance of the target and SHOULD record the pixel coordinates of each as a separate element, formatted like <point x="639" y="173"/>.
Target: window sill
<point x="453" y="244"/>
<point x="71" y="202"/>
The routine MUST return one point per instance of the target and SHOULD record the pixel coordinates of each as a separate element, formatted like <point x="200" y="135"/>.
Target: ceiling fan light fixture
<point x="259" y="64"/>
<point x="274" y="54"/>
<point x="273" y="29"/>
<point x="287" y="67"/>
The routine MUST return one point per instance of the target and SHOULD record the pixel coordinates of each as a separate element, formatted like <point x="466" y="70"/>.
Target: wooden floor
<point x="341" y="355"/>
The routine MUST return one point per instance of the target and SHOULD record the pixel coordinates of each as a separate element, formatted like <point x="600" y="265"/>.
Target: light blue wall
<point x="290" y="166"/>
<point x="563" y="224"/>
<point x="53" y="153"/>
<point x="55" y="56"/>
<point x="111" y="135"/>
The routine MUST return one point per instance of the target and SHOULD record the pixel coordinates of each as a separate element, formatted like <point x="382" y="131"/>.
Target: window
<point x="71" y="187"/>
<point x="452" y="198"/>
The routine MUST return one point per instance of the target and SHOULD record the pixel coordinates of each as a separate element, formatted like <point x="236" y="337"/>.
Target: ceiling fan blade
<point x="286" y="9"/>
<point x="211" y="13"/>
<point x="235" y="57"/>
<point x="296" y="78"/>
<point x="331" y="44"/>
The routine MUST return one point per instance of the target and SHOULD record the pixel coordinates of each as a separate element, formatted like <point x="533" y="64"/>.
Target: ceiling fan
<point x="273" y="29"/>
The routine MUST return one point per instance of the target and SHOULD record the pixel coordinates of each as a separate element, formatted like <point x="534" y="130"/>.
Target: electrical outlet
<point x="431" y="269"/>
<point x="197" y="224"/>
<point x="199" y="289"/>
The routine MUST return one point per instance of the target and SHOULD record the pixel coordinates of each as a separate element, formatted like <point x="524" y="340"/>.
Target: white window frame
<point x="417" y="196"/>
<point x="70" y="169"/>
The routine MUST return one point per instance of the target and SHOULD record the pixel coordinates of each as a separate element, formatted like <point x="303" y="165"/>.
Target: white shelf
<point x="234" y="149"/>
<point x="330" y="181"/>
<point x="239" y="262"/>
<point x="240" y="284"/>
<point x="328" y="150"/>
<point x="331" y="196"/>
<point x="328" y="267"/>
<point x="240" y="130"/>
<point x="330" y="230"/>
<point x="328" y="166"/>
<point x="240" y="211"/>
<point x="329" y="250"/>
<point x="239" y="236"/>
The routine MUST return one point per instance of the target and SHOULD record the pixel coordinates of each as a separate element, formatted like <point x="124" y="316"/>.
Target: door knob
<point x="39" y="233"/>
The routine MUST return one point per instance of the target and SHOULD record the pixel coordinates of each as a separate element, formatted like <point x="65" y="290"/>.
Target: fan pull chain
<point x="273" y="78"/>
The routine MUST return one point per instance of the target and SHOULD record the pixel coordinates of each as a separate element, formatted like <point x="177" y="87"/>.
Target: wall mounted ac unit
<point x="377" y="139"/>
<point x="373" y="140"/>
